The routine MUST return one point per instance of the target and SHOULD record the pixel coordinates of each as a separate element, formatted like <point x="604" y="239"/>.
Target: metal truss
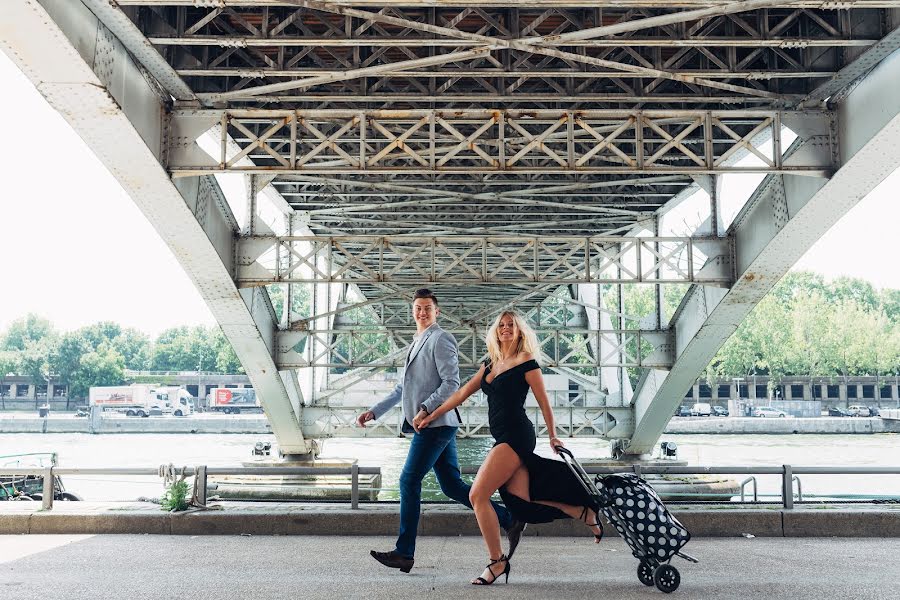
<point x="550" y="51"/>
<point x="464" y="147"/>
<point x="566" y="347"/>
<point x="572" y="420"/>
<point x="483" y="260"/>
<point x="394" y="312"/>
<point x="485" y="141"/>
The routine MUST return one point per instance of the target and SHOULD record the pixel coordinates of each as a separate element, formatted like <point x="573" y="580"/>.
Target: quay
<point x="226" y="567"/>
<point x="382" y="519"/>
<point x="258" y="424"/>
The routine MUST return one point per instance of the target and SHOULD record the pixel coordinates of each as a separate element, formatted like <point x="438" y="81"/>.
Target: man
<point x="430" y="377"/>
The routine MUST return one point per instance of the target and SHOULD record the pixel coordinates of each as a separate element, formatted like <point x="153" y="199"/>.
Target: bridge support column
<point x="83" y="69"/>
<point x="785" y="216"/>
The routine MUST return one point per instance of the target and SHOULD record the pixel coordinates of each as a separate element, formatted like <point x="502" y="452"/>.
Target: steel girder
<point x="350" y="348"/>
<point x="474" y="261"/>
<point x="779" y="223"/>
<point x="572" y="420"/>
<point x="554" y="52"/>
<point x="84" y="72"/>
<point x="469" y="142"/>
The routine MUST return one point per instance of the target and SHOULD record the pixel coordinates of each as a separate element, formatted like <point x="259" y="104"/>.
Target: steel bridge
<point x="508" y="153"/>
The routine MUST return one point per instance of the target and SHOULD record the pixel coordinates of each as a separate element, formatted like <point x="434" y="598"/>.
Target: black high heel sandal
<point x="583" y="517"/>
<point x="482" y="581"/>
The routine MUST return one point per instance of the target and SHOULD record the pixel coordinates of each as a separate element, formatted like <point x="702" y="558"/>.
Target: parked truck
<point x="141" y="400"/>
<point x="233" y="400"/>
<point x="177" y="399"/>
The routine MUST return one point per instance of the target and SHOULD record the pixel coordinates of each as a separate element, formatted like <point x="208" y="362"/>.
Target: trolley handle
<point x="579" y="472"/>
<point x="566" y="451"/>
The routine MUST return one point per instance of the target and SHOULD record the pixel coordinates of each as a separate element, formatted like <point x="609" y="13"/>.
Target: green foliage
<point x="30" y="328"/>
<point x="807" y="327"/>
<point x="194" y="348"/>
<point x="175" y="498"/>
<point x="9" y="363"/>
<point x="301" y="300"/>
<point x="104" y="366"/>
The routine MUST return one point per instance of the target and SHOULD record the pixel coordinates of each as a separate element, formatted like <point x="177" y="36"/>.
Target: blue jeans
<point x="432" y="448"/>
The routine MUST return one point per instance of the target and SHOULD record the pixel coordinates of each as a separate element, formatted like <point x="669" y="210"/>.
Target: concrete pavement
<point x="334" y="567"/>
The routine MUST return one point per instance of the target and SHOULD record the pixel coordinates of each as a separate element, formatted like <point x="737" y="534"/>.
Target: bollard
<point x="200" y="482"/>
<point x="47" y="492"/>
<point x="354" y="485"/>
<point x="787" y="487"/>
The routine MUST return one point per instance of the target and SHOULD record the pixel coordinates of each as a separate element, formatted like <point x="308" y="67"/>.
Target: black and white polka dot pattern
<point x="640" y="517"/>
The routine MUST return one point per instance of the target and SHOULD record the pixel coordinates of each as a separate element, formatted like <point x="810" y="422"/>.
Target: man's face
<point x="425" y="312"/>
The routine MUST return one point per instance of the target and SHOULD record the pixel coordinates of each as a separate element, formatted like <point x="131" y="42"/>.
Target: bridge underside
<point x="503" y="154"/>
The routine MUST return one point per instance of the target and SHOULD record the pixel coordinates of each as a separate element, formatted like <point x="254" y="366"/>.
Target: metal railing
<point x="788" y="474"/>
<point x="201" y="473"/>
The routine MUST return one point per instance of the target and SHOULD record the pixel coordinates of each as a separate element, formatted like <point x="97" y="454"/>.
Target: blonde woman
<point x="535" y="489"/>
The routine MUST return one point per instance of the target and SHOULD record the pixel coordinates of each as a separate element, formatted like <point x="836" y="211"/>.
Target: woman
<point x="535" y="489"/>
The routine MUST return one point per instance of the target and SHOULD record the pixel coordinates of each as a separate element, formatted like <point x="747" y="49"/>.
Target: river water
<point x="152" y="450"/>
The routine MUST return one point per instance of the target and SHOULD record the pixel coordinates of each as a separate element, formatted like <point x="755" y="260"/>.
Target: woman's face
<point x="507" y="330"/>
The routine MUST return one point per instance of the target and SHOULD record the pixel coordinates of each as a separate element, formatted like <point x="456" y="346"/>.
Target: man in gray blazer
<point x="430" y="377"/>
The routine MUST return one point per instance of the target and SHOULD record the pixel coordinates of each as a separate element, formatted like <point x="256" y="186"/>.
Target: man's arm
<point x="390" y="401"/>
<point x="446" y="358"/>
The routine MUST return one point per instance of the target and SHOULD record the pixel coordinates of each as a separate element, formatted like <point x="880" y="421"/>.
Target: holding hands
<point x="422" y="419"/>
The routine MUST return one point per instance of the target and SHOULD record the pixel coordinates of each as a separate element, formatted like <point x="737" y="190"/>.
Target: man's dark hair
<point x="425" y="293"/>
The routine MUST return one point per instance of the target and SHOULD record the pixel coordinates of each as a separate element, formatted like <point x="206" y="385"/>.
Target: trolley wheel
<point x="645" y="573"/>
<point x="667" y="578"/>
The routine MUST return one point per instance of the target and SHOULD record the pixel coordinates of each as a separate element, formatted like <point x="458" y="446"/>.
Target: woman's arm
<point x="458" y="397"/>
<point x="536" y="381"/>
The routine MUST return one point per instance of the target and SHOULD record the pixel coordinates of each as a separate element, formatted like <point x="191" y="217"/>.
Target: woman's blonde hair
<point x="527" y="341"/>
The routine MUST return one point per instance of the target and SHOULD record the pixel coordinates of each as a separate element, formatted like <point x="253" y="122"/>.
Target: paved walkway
<point x="308" y="567"/>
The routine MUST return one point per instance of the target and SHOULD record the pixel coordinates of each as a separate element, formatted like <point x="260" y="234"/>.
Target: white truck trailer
<point x="140" y="400"/>
<point x="233" y="400"/>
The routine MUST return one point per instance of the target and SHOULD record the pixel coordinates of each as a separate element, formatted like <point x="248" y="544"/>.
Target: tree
<point x="134" y="346"/>
<point x="889" y="300"/>
<point x="103" y="366"/>
<point x="301" y="303"/>
<point x="30" y="328"/>
<point x="102" y="332"/>
<point x="9" y="365"/>
<point x="857" y="290"/>
<point x="67" y="359"/>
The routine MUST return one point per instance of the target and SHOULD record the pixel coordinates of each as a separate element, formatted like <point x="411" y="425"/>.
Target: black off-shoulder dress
<point x="549" y="480"/>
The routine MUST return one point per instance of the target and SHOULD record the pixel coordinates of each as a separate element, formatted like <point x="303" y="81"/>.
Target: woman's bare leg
<point x="500" y="463"/>
<point x="518" y="485"/>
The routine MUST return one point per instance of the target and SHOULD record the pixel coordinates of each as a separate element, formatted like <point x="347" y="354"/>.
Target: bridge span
<point x="501" y="153"/>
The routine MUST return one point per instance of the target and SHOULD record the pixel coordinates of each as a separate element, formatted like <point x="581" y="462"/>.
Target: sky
<point x="75" y="249"/>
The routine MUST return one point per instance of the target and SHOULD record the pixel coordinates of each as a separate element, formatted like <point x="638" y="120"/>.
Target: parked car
<point x="834" y="411"/>
<point x="683" y="411"/>
<point x="874" y="412"/>
<point x="719" y="411"/>
<point x="858" y="410"/>
<point x="768" y="411"/>
<point x="701" y="409"/>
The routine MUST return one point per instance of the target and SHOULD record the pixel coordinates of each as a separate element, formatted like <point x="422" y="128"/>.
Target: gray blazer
<point x="430" y="377"/>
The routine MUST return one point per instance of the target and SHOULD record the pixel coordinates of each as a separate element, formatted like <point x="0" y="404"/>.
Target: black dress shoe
<point x="393" y="560"/>
<point x="514" y="535"/>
